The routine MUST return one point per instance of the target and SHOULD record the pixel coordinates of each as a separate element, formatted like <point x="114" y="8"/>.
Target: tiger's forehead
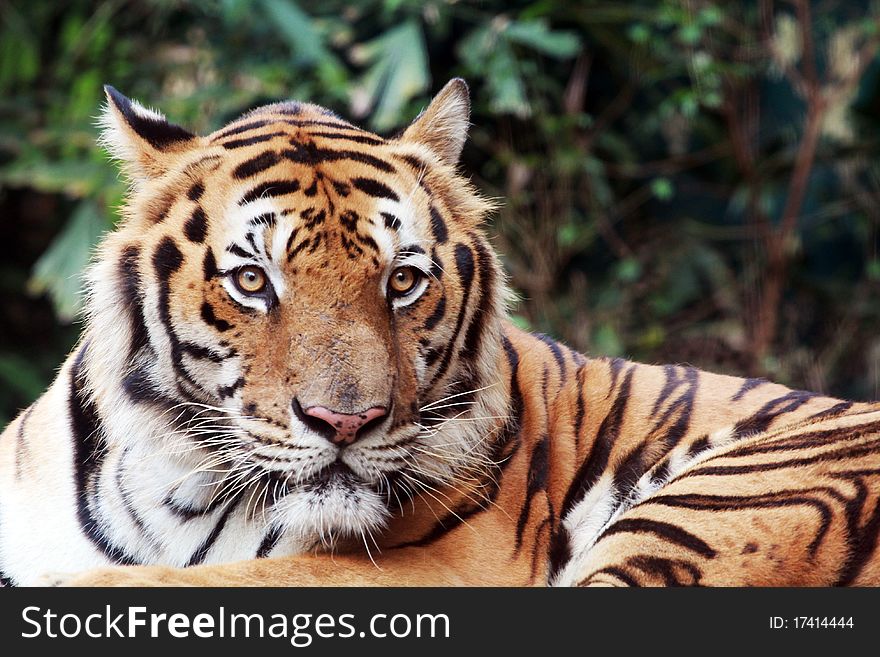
<point x="312" y="158"/>
<point x="292" y="183"/>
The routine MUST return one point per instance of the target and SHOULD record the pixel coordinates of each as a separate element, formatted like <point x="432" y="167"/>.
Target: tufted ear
<point x="443" y="125"/>
<point x="145" y="142"/>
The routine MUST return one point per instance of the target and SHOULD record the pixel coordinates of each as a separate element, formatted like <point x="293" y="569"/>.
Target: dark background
<point x="688" y="181"/>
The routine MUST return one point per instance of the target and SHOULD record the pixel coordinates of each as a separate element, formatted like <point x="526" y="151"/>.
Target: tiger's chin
<point x="335" y="504"/>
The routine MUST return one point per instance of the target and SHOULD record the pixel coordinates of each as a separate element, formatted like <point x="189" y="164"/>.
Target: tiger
<point x="297" y="367"/>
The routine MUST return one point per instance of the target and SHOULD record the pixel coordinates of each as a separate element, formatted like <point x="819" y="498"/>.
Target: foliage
<point x="690" y="181"/>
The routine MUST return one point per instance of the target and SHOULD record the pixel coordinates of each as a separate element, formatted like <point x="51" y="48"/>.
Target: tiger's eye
<point x="403" y="280"/>
<point x="250" y="280"/>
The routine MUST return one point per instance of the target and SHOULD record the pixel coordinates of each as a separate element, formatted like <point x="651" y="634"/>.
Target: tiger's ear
<point x="443" y="125"/>
<point x="142" y="139"/>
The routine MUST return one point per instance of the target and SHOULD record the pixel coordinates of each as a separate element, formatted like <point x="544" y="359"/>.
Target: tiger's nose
<point x="343" y="428"/>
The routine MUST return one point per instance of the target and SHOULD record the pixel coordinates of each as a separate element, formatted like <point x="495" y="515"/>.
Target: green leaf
<point x="398" y="72"/>
<point x="629" y="270"/>
<point x="639" y="33"/>
<point x="59" y="270"/>
<point x="505" y="83"/>
<point x="521" y="322"/>
<point x="75" y="177"/>
<point x="297" y="29"/>
<point x="19" y="374"/>
<point x="536" y="35"/>
<point x="662" y="189"/>
<point x="607" y="342"/>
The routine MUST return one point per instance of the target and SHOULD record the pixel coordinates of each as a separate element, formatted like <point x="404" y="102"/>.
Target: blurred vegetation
<point x="684" y="180"/>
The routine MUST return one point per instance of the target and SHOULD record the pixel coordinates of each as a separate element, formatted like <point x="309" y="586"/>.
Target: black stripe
<point x="764" y="417"/>
<point x="747" y="384"/>
<point x="141" y="389"/>
<point x="341" y="188"/>
<point x="414" y="162"/>
<point x="235" y="249"/>
<point x="464" y="262"/>
<point x="633" y="466"/>
<point x="196" y="226"/>
<point x="391" y="222"/>
<point x="862" y="536"/>
<point x="666" y="569"/>
<point x="159" y="208"/>
<point x="307" y="123"/>
<point x="266" y="219"/>
<point x="256" y="164"/>
<point x="774" y="500"/>
<point x="836" y="455"/>
<point x="225" y="392"/>
<point x="269" y="189"/>
<point x="250" y="141"/>
<point x="557" y="352"/>
<point x="202" y="551"/>
<point x="128" y="503"/>
<point x="682" y="408"/>
<point x="615" y="365"/>
<point x="374" y="188"/>
<point x="130" y="289"/>
<point x="250" y="240"/>
<point x="483" y="307"/>
<point x="299" y="247"/>
<point x="205" y="353"/>
<point x="539" y="470"/>
<point x="189" y="512"/>
<point x="195" y="192"/>
<point x="167" y="259"/>
<point x="597" y="462"/>
<point x="438" y="226"/>
<point x="667" y="531"/>
<point x="672" y="381"/>
<point x="6" y="581"/>
<point x="291" y="108"/>
<point x="311" y="155"/>
<point x="209" y="265"/>
<point x="699" y="445"/>
<point x="837" y="409"/>
<point x="348" y="219"/>
<point x="237" y="130"/>
<point x="614" y="571"/>
<point x="361" y="139"/>
<point x="211" y="319"/>
<point x="435" y="317"/>
<point x="270" y="540"/>
<point x="313" y="217"/>
<point x="88" y="458"/>
<point x="581" y="406"/>
<point x="559" y="552"/>
<point x="810" y="440"/>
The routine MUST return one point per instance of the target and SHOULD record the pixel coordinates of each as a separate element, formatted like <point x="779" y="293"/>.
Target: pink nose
<point x="345" y="426"/>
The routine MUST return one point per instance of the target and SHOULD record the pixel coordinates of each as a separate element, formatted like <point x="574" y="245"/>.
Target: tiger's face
<point x="322" y="296"/>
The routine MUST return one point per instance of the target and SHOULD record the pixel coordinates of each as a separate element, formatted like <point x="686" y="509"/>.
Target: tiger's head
<point x="320" y="300"/>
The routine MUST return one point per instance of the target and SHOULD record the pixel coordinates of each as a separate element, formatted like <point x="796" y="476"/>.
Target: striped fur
<point x="176" y="440"/>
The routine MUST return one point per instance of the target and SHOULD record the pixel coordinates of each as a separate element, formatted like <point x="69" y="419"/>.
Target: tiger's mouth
<point x="337" y="475"/>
